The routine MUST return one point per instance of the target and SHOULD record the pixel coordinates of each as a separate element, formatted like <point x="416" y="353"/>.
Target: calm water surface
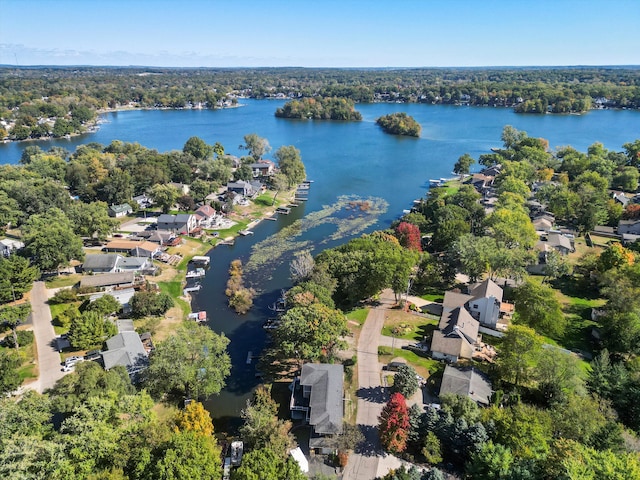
<point x="342" y="159"/>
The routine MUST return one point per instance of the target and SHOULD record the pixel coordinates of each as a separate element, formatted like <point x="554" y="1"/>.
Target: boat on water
<point x="244" y="233"/>
<point x="271" y="324"/>
<point x="434" y="183"/>
<point x="196" y="273"/>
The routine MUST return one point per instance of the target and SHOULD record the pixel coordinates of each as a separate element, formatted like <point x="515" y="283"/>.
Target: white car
<point x="70" y="362"/>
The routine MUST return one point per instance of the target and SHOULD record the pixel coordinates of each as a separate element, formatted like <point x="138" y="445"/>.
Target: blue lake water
<point x="351" y="158"/>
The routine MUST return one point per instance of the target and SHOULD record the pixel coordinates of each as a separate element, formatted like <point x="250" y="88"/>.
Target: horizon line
<point x="7" y="65"/>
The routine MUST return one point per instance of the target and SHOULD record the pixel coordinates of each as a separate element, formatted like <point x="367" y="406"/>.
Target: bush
<point x="67" y="295"/>
<point x="145" y="304"/>
<point x="25" y="337"/>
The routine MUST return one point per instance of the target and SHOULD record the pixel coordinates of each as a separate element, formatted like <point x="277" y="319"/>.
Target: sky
<point x="320" y="33"/>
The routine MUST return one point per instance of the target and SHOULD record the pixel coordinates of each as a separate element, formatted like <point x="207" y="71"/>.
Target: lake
<point x="352" y="158"/>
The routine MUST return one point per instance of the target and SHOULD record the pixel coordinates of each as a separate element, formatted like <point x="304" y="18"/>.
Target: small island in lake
<point x="331" y="108"/>
<point x="400" y="124"/>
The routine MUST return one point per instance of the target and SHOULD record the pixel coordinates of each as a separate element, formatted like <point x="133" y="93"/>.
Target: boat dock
<point x="244" y="233"/>
<point x="249" y="357"/>
<point x="283" y="210"/>
<point x="200" y="260"/>
<point x="199" y="317"/>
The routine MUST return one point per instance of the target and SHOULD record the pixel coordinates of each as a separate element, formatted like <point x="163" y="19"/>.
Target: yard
<point x="409" y="326"/>
<point x="424" y="366"/>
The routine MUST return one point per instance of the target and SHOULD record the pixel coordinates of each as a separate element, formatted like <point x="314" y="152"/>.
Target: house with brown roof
<point x="133" y="247"/>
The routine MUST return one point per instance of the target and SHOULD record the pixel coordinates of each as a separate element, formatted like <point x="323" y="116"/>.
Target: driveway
<point x="365" y="462"/>
<point x="49" y="366"/>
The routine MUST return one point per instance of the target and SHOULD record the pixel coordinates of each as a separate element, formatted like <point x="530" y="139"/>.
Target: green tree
<point x="262" y="428"/>
<point x="257" y="146"/>
<point x="89" y="380"/>
<point x="265" y="464"/>
<point x="13" y="316"/>
<point x="524" y="429"/>
<point x="164" y="196"/>
<point x="198" y="148"/>
<point x="405" y="381"/>
<point x="290" y="164"/>
<point x="473" y="255"/>
<point x="50" y="241"/>
<point x="187" y="454"/>
<point x="538" y="307"/>
<point x="91" y="220"/>
<point x="463" y="164"/>
<point x="9" y="377"/>
<point x="518" y="355"/>
<point x="9" y="210"/>
<point x="105" y="305"/>
<point x="311" y="332"/>
<point x="278" y="182"/>
<point x="16" y="277"/>
<point x="199" y="189"/>
<point x="193" y="362"/>
<point x="492" y="462"/>
<point x="90" y="330"/>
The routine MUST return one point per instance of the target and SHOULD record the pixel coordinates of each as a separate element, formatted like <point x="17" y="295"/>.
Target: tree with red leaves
<point x="394" y="424"/>
<point x="409" y="236"/>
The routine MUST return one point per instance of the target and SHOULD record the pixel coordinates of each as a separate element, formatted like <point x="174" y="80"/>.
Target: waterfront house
<point x="133" y="247"/>
<point x="113" y="262"/>
<point x="204" y="214"/>
<point x="118" y="211"/>
<point x="182" y="223"/>
<point x="108" y="280"/>
<point x="263" y="168"/>
<point x="246" y="189"/>
<point x="125" y="349"/>
<point x="467" y="382"/>
<point x="316" y="397"/>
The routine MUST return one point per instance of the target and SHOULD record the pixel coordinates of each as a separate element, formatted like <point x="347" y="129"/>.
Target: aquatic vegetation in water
<point x="350" y="215"/>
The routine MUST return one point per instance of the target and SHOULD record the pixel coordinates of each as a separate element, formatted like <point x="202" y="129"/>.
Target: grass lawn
<point x="577" y="303"/>
<point x="358" y="315"/>
<point x="27" y="354"/>
<point x="423" y="366"/>
<point x="64" y="280"/>
<point x="174" y="290"/>
<point x="408" y="326"/>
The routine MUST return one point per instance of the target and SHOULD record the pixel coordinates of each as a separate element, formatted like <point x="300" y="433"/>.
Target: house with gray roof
<point x="554" y="241"/>
<point x="125" y="349"/>
<point x="485" y="303"/>
<point x="456" y="336"/>
<point x="317" y="398"/>
<point x="98" y="263"/>
<point x="182" y="223"/>
<point x="467" y="382"/>
<point x="106" y="280"/>
<point x="123" y="297"/>
<point x="246" y="189"/>
<point x="629" y="226"/>
<point x="118" y="211"/>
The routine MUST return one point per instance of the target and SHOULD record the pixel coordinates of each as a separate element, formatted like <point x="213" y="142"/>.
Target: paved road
<point x="48" y="357"/>
<point x="364" y="464"/>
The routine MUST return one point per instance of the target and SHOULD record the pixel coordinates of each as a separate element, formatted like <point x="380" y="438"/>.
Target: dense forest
<point x="48" y="101"/>
<point x="400" y="124"/>
<point x="330" y="108"/>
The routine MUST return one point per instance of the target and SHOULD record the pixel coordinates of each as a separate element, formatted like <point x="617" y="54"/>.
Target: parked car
<point x="71" y="362"/>
<point x="394" y="366"/>
<point x="92" y="355"/>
